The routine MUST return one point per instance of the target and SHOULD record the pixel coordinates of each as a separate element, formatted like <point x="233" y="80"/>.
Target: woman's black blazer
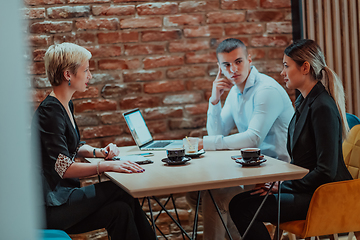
<point x="315" y="141"/>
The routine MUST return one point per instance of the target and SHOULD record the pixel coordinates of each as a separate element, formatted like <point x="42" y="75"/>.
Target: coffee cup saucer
<point x="182" y="161"/>
<point x="195" y="154"/>
<point x="253" y="162"/>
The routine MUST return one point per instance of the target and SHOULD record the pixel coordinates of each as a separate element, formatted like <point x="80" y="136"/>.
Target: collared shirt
<point x="261" y="114"/>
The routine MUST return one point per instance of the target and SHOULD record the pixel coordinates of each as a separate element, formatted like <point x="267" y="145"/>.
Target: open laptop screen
<point x="137" y="126"/>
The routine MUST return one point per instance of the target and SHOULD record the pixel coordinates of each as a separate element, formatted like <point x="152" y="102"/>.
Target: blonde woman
<point x="314" y="142"/>
<point x="70" y="207"/>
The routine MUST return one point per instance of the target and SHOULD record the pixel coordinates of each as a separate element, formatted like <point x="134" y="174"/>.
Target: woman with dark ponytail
<point x="315" y="136"/>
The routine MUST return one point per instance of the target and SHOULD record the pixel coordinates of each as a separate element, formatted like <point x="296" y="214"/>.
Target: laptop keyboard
<point x="160" y="144"/>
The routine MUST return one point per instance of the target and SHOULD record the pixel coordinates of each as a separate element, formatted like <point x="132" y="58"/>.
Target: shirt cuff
<point x="209" y="142"/>
<point x="62" y="164"/>
<point x="214" y="109"/>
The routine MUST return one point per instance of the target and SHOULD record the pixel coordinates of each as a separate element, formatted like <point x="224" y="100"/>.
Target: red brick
<point x="288" y="16"/>
<point x="144" y="49"/>
<point x="68" y="12"/>
<point x="225" y="17"/>
<point x="141" y="22"/>
<point x="198" y="6"/>
<point x="38" y="95"/>
<point x="196" y="109"/>
<point x="256" y="53"/>
<point x="40" y="40"/>
<point x="112" y="117"/>
<point x="239" y="4"/>
<point x="51" y="27"/>
<point x="117" y="37"/>
<point x="37" y="68"/>
<point x="186" y="72"/>
<point x="89" y="1"/>
<point x="91" y="92"/>
<point x="196" y="57"/>
<point x="213" y="70"/>
<point x="38" y="55"/>
<point x="189" y="97"/>
<point x="279" y="27"/>
<point x="162" y="112"/>
<point x="101" y="131"/>
<point x="269" y="66"/>
<point x="142" y="75"/>
<point x="203" y="31"/>
<point x="40" y="82"/>
<point x="80" y="38"/>
<point x="121" y="1"/>
<point x="95" y="105"/>
<point x="199" y="84"/>
<point x="139" y="102"/>
<point x="184" y="19"/>
<point x="215" y="41"/>
<point x="97" y="24"/>
<point x="104" y="51"/>
<point x="98" y="78"/>
<point x="264" y="16"/>
<point x="244" y="28"/>
<point x="112" y="64"/>
<point x="43" y="2"/>
<point x="83" y="120"/>
<point x="163" y="61"/>
<point x="276" y="53"/>
<point x="157" y="126"/>
<point x="164" y="86"/>
<point x="178" y="134"/>
<point x="118" y="90"/>
<point x="118" y="10"/>
<point x="92" y="65"/>
<point x="120" y="142"/>
<point x="164" y="35"/>
<point x="34" y="13"/>
<point x="187" y="123"/>
<point x="275" y="3"/>
<point x="276" y="41"/>
<point x="189" y="45"/>
<point x="157" y="8"/>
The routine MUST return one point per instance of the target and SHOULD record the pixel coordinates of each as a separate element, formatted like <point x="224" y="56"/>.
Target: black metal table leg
<point x="218" y="211"/>
<point x="257" y="211"/>
<point x="172" y="218"/>
<point x="152" y="217"/>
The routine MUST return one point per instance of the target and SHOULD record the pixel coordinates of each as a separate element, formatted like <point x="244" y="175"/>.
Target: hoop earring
<point x="69" y="83"/>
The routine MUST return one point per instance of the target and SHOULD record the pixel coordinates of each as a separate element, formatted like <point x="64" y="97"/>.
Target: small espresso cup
<point x="175" y="154"/>
<point x="249" y="154"/>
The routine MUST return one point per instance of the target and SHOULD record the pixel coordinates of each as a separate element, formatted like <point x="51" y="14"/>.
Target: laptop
<point x="142" y="135"/>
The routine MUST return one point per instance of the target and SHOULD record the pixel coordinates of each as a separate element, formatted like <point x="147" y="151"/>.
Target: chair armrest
<point x="334" y="208"/>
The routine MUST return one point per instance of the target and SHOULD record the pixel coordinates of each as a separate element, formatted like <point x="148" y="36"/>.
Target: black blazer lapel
<point x="299" y="125"/>
<point x="313" y="94"/>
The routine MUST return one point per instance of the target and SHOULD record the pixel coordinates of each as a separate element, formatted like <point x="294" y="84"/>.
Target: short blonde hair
<point x="61" y="57"/>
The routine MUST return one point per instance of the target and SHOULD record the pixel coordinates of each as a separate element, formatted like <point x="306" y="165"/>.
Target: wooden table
<point x="214" y="169"/>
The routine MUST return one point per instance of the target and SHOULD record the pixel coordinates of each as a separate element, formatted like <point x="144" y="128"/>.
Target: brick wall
<point x="155" y="55"/>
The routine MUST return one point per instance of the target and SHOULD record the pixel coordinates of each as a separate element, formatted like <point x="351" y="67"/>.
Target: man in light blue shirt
<point x="260" y="109"/>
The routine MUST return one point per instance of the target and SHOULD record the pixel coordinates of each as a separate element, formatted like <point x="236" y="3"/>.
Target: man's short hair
<point x="230" y="44"/>
<point x="61" y="57"/>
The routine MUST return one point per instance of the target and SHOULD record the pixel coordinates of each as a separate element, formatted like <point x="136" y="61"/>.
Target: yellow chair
<point x="334" y="207"/>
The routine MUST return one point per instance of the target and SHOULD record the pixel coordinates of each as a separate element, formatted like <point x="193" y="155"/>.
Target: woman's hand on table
<point x="123" y="167"/>
<point x="264" y="187"/>
<point x="110" y="151"/>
